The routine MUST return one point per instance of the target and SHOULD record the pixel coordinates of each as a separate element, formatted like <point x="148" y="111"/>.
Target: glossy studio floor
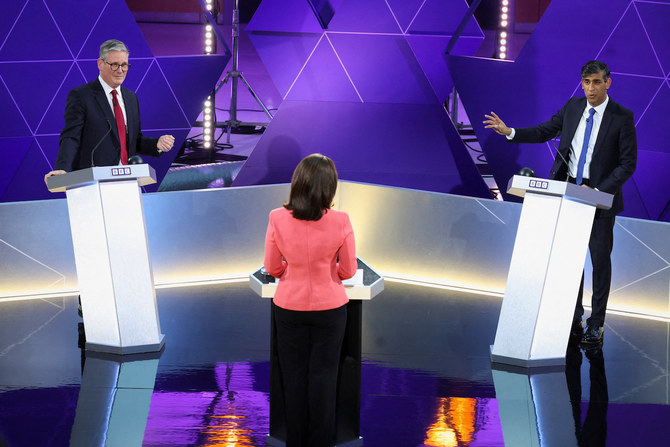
<point x="426" y="377"/>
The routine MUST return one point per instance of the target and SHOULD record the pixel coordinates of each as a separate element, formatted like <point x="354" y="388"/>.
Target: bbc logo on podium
<point x="121" y="171"/>
<point x="538" y="184"/>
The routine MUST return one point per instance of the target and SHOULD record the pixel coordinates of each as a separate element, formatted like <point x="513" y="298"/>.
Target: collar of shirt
<point x="600" y="110"/>
<point x="108" y="95"/>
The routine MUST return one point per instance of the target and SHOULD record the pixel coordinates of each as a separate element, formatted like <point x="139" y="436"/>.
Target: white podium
<point x="545" y="271"/>
<point x="112" y="259"/>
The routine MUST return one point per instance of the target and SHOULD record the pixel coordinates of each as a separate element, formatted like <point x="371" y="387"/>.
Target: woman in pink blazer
<point x="310" y="248"/>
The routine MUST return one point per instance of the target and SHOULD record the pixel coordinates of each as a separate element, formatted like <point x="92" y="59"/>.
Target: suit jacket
<point x="303" y="254"/>
<point x="88" y="119"/>
<point x="614" y="154"/>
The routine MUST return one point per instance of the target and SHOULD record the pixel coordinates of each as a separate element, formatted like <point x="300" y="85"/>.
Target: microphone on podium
<point x="109" y="129"/>
<point x="135" y="160"/>
<point x="527" y="172"/>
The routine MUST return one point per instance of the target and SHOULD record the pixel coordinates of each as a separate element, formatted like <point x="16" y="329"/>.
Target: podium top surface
<point x="143" y="173"/>
<point x="373" y="284"/>
<point x="519" y="185"/>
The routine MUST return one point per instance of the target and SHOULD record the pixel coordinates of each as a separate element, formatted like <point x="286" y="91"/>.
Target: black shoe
<point x="593" y="335"/>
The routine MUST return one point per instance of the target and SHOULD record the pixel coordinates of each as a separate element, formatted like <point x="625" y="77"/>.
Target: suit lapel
<point x="574" y="117"/>
<point x="604" y="126"/>
<point x="105" y="109"/>
<point x="130" y="112"/>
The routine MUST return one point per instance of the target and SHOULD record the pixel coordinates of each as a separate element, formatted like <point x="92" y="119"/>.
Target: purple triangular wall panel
<point x="295" y="16"/>
<point x="370" y="16"/>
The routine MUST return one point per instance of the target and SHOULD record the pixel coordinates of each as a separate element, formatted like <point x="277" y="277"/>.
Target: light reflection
<point x="233" y="414"/>
<point x="455" y="423"/>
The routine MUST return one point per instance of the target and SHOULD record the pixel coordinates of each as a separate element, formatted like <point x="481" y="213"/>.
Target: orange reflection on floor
<point x="454" y="424"/>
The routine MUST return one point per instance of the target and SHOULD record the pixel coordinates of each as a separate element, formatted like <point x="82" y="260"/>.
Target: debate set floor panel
<point x="427" y="379"/>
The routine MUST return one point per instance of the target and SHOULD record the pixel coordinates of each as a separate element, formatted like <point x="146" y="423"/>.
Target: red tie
<point x="121" y="126"/>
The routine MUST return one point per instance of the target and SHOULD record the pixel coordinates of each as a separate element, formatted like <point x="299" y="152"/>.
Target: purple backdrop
<point x="368" y="91"/>
<point x="632" y="37"/>
<point x="47" y="47"/>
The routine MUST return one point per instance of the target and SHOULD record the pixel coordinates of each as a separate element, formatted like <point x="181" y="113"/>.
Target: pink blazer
<point x="303" y="255"/>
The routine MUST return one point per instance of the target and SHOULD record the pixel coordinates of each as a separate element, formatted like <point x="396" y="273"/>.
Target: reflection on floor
<point x="426" y="378"/>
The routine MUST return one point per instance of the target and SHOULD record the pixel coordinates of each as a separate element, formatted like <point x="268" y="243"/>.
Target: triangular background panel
<point x="284" y="16"/>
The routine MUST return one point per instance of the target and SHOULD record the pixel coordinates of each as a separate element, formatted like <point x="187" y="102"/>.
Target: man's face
<point x="595" y="88"/>
<point x="113" y="78"/>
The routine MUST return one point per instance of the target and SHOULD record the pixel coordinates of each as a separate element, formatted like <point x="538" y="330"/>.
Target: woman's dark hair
<point x="312" y="188"/>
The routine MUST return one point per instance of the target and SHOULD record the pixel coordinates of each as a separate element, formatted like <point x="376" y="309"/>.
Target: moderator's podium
<point x="545" y="271"/>
<point x="349" y="380"/>
<point x="111" y="253"/>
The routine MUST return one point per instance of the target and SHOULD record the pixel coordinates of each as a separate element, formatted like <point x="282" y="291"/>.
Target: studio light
<point x="503" y="29"/>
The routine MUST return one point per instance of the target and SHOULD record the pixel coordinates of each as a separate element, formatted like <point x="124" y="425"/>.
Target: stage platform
<point x="426" y="376"/>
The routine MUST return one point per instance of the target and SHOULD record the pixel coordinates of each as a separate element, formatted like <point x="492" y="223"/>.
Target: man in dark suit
<point x="90" y="136"/>
<point x="605" y="132"/>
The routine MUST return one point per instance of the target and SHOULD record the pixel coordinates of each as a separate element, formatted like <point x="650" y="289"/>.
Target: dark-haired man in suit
<point x="608" y="161"/>
<point x="90" y="136"/>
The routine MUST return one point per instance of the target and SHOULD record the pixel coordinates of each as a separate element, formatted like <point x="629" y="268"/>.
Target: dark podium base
<point x="273" y="442"/>
<point x="348" y="425"/>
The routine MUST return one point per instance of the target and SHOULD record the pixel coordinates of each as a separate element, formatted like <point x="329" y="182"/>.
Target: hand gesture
<point x="165" y="143"/>
<point x="495" y="123"/>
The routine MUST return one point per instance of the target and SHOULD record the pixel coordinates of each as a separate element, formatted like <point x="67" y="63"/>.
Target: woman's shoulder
<point x="340" y="216"/>
<point x="280" y="214"/>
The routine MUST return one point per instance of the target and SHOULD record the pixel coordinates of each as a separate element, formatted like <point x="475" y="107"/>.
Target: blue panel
<point x="189" y="78"/>
<point x="115" y="22"/>
<point x="383" y="68"/>
<point x="89" y="70"/>
<point x="636" y="92"/>
<point x="11" y="162"/>
<point x="284" y="55"/>
<point x="655" y="18"/>
<point x="325" y="9"/>
<point x="405" y="11"/>
<point x="12" y="124"/>
<point x="29" y="177"/>
<point x="653" y="188"/>
<point x="653" y="131"/>
<point x="370" y="16"/>
<point x="44" y="78"/>
<point x="296" y="16"/>
<point x="53" y="120"/>
<point x="25" y="44"/>
<point x="69" y="23"/>
<point x="158" y="106"/>
<point x="323" y="78"/>
<point x="10" y="13"/>
<point x="443" y="17"/>
<point x="429" y="51"/>
<point x="49" y="146"/>
<point x="628" y="49"/>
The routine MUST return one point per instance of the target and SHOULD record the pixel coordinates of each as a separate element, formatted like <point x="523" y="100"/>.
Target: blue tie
<point x="585" y="147"/>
